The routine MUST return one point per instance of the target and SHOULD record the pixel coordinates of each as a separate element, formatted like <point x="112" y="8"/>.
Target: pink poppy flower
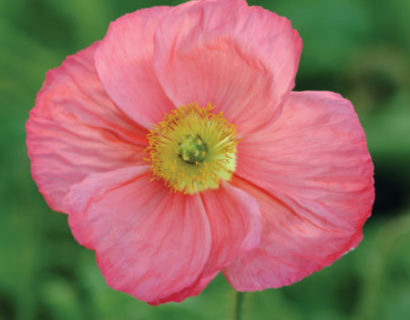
<point x="178" y="150"/>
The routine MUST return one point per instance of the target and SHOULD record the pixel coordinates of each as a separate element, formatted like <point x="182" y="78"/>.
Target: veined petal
<point x="313" y="178"/>
<point x="149" y="242"/>
<point x="75" y="129"/>
<point x="241" y="59"/>
<point x="235" y="224"/>
<point x="125" y="66"/>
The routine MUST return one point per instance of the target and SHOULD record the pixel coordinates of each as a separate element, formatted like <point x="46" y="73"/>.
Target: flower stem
<point x="239" y="305"/>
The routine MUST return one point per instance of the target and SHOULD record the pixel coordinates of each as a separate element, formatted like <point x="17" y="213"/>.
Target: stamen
<point x="192" y="149"/>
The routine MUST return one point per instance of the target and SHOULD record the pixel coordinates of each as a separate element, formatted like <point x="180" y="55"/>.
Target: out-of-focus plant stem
<point x="238" y="313"/>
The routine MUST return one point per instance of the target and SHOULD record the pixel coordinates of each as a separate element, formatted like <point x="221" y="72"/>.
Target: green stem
<point x="239" y="305"/>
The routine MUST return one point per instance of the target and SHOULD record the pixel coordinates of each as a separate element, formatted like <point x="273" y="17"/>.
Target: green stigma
<point x="192" y="149"/>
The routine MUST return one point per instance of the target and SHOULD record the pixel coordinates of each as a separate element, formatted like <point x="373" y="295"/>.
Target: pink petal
<point x="149" y="242"/>
<point x="235" y="228"/>
<point x="238" y="58"/>
<point x="191" y="291"/>
<point x="124" y="63"/>
<point x="234" y="218"/>
<point x="313" y="178"/>
<point x="75" y="129"/>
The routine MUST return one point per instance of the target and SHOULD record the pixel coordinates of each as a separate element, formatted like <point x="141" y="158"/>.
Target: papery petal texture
<point x="125" y="65"/>
<point x="149" y="243"/>
<point x="313" y="179"/>
<point x="241" y="59"/>
<point x="75" y="129"/>
<point x="235" y="225"/>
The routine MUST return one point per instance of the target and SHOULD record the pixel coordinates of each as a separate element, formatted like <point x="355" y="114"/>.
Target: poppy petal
<point x="149" y="242"/>
<point x="75" y="129"/>
<point x="228" y="54"/>
<point x="125" y="66"/>
<point x="235" y="224"/>
<point x="313" y="178"/>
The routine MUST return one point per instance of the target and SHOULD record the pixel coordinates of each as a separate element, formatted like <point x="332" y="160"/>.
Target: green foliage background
<point x="360" y="48"/>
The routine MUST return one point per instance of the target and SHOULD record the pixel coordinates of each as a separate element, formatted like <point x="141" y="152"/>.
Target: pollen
<point x="192" y="149"/>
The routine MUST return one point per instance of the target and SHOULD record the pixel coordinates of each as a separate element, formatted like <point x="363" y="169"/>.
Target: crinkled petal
<point x="75" y="129"/>
<point x="241" y="59"/>
<point x="193" y="290"/>
<point x="149" y="242"/>
<point x="234" y="219"/>
<point x="313" y="178"/>
<point x="124" y="63"/>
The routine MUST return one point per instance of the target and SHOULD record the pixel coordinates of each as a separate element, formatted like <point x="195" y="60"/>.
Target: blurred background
<point x="360" y="48"/>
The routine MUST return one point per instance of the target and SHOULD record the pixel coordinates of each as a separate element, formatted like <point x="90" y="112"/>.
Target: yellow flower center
<point x="192" y="149"/>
